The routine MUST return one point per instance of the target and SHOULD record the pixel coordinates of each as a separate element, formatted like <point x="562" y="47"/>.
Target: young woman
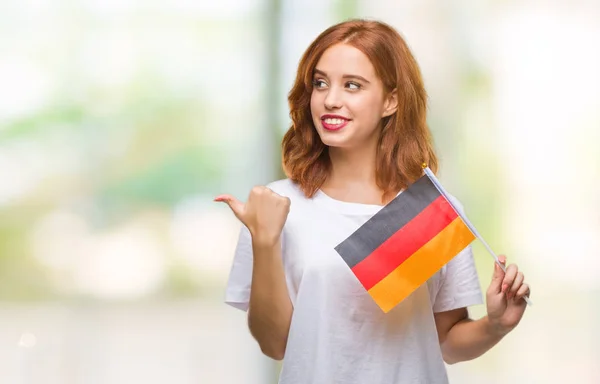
<point x="358" y="139"/>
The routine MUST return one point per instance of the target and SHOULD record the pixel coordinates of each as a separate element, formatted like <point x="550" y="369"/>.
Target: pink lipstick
<point x="334" y="122"/>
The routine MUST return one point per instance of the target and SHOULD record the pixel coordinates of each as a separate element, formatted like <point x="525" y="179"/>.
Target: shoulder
<point x="285" y="187"/>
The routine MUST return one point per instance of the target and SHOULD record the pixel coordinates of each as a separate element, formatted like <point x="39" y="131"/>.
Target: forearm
<point x="270" y="310"/>
<point x="469" y="339"/>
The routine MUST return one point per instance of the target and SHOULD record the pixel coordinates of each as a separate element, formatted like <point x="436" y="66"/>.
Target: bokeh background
<point x="120" y="120"/>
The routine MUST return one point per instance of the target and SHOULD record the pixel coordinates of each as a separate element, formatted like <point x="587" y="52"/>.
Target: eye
<point x="319" y="83"/>
<point x="352" y="85"/>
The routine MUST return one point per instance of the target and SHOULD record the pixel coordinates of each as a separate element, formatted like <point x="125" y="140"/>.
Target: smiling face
<point x="348" y="99"/>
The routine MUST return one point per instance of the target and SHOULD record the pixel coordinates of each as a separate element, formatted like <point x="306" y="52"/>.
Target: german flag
<point x="405" y="243"/>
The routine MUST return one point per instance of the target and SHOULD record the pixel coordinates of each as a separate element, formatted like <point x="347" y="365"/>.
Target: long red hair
<point x="405" y="141"/>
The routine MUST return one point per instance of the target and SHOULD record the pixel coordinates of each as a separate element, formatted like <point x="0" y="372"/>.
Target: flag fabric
<point x="405" y="243"/>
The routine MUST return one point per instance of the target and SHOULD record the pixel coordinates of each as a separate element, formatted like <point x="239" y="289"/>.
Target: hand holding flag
<point x="505" y="304"/>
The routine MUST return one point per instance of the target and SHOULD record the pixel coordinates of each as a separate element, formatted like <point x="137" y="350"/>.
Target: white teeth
<point x="334" y="121"/>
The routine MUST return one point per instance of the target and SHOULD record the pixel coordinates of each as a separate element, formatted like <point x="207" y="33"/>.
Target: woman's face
<point x="348" y="100"/>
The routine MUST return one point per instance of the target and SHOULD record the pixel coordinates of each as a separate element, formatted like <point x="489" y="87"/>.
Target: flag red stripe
<point x="421" y="265"/>
<point x="404" y="242"/>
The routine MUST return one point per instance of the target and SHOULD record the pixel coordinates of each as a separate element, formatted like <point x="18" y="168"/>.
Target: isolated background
<point x="120" y="120"/>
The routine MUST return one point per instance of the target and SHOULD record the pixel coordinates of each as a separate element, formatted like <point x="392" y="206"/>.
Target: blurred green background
<point x="121" y="120"/>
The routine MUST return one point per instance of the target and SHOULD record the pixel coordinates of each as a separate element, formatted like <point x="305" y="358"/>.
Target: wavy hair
<point x="405" y="141"/>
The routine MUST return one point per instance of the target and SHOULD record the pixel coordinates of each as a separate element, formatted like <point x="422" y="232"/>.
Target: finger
<point x="280" y="198"/>
<point x="286" y="201"/>
<point x="277" y="195"/>
<point x="516" y="285"/>
<point x="236" y="206"/>
<point x="498" y="275"/>
<point x="524" y="290"/>
<point x="509" y="277"/>
<point x="256" y="192"/>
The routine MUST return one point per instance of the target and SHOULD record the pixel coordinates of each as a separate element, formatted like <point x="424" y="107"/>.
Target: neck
<point x="353" y="166"/>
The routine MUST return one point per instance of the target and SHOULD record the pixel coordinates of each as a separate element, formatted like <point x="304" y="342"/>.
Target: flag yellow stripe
<point x="421" y="265"/>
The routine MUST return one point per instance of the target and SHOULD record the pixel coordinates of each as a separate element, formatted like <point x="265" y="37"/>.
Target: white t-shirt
<point x="338" y="334"/>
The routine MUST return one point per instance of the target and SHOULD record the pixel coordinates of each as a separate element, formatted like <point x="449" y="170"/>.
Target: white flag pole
<point x="439" y="187"/>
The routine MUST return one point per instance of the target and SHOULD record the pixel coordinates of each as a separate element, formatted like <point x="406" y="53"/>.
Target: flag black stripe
<point x="405" y="207"/>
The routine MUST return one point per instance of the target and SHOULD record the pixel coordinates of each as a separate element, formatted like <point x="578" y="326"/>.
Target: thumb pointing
<point x="237" y="207"/>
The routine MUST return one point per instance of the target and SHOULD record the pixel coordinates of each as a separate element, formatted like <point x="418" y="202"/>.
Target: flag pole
<point x="471" y="227"/>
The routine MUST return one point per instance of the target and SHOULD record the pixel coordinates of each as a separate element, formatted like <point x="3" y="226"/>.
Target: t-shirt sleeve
<point x="459" y="282"/>
<point x="237" y="292"/>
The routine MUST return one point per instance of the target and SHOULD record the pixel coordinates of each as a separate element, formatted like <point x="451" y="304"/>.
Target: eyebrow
<point x="319" y="72"/>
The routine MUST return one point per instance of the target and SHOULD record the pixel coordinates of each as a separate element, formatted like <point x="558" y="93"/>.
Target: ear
<point x="390" y="104"/>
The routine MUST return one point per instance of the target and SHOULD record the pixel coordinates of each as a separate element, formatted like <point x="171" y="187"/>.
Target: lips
<point x="334" y="122"/>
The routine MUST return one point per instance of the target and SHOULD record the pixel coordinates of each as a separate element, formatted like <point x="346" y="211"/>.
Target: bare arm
<point x="463" y="339"/>
<point x="270" y="310"/>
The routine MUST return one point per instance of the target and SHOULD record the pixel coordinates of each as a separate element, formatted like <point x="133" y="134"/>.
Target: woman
<point x="358" y="138"/>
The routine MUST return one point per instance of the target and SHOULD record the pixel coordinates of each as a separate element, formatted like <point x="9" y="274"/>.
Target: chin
<point x="334" y="139"/>
<point x="339" y="144"/>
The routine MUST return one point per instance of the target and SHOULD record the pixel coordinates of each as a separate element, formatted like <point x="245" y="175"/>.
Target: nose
<point x="333" y="99"/>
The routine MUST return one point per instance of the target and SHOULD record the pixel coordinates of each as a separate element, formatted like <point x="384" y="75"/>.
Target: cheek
<point x="314" y="104"/>
<point x="367" y="109"/>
